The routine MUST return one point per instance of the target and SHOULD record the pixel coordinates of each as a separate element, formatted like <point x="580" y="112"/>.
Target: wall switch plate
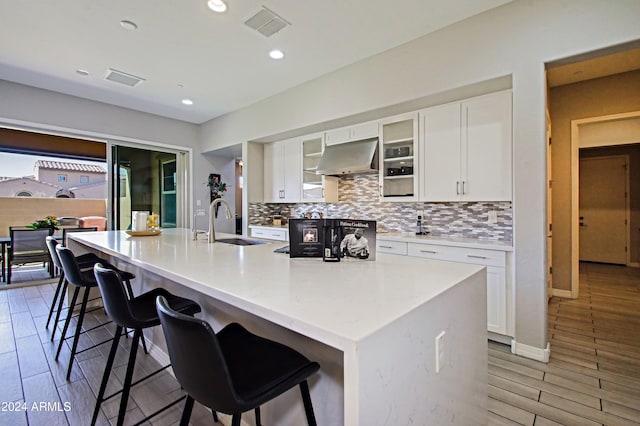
<point x="493" y="216"/>
<point x="440" y="351"/>
<point x="198" y="203"/>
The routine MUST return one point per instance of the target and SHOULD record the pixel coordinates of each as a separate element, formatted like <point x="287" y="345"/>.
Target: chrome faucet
<point x="212" y="214"/>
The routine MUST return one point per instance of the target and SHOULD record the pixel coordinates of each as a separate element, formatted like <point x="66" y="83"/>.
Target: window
<point x="23" y="194"/>
<point x="62" y="178"/>
<point x="84" y="179"/>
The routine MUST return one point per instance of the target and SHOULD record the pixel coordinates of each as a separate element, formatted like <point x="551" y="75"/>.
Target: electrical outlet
<point x="493" y="216"/>
<point x="440" y="351"/>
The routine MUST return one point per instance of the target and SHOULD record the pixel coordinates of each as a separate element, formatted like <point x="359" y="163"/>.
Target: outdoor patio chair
<point x="28" y="246"/>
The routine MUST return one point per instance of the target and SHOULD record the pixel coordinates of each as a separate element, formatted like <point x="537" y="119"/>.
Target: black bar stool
<point x="79" y="280"/>
<point x="234" y="370"/>
<point x="137" y="313"/>
<point x="84" y="261"/>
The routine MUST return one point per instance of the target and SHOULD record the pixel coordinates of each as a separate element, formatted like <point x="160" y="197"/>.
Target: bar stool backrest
<point x="197" y="359"/>
<point x="70" y="267"/>
<point x="66" y="231"/>
<point x="114" y="297"/>
<point x="51" y="245"/>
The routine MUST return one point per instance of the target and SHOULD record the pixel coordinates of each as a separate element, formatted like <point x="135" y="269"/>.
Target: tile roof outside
<point x="59" y="165"/>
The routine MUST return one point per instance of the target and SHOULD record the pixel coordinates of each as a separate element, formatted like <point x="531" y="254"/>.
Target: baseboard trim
<point x="565" y="294"/>
<point x="531" y="352"/>
<point x="634" y="264"/>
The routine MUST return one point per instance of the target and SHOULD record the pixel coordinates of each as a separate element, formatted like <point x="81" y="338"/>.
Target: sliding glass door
<point x="148" y="180"/>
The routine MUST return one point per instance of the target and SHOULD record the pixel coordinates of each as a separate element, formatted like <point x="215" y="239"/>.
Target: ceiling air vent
<point x="123" y="78"/>
<point x="266" y="22"/>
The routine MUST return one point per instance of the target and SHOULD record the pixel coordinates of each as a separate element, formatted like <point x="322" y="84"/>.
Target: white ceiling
<point x="183" y="50"/>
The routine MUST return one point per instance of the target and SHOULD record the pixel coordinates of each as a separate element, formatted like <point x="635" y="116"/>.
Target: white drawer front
<point x="270" y="234"/>
<point x="458" y="254"/>
<point x="393" y="247"/>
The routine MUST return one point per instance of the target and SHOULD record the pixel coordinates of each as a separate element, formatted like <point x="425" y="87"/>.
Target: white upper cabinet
<point x="316" y="188"/>
<point x="466" y="150"/>
<point x="283" y="171"/>
<point x="441" y="149"/>
<point x="361" y="131"/>
<point x="398" y="155"/>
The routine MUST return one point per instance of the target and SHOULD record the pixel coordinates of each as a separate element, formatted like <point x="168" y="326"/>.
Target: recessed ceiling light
<point x="128" y="25"/>
<point x="276" y="54"/>
<point x="187" y="102"/>
<point x="83" y="73"/>
<point x="217" y="5"/>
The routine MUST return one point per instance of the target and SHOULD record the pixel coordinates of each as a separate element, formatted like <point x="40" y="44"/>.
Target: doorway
<point x="147" y="180"/>
<point x="611" y="132"/>
<point x="604" y="209"/>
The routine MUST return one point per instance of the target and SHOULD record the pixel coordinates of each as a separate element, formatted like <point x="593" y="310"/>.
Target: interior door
<point x="603" y="209"/>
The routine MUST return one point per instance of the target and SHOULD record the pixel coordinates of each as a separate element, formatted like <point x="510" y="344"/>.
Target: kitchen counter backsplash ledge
<point x="462" y="220"/>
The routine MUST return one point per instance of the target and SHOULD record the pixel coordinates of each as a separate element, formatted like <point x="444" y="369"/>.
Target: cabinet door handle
<point x="476" y="256"/>
<point x="463" y="190"/>
<point x="428" y="251"/>
<point x="457" y="187"/>
<point x="387" y="247"/>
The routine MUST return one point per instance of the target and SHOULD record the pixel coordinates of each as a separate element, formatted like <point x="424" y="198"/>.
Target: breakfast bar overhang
<point x="372" y="325"/>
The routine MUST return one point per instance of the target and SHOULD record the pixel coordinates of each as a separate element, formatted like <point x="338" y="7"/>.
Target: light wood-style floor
<point x="593" y="377"/>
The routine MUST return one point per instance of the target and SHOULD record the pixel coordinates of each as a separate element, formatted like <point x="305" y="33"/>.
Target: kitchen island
<point x="372" y="325"/>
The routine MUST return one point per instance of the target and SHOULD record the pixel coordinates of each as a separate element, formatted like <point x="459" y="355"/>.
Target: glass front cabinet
<point x="316" y="187"/>
<point x="398" y="158"/>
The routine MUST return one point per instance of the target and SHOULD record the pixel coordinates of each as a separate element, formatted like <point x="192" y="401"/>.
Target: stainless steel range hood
<point x="349" y="158"/>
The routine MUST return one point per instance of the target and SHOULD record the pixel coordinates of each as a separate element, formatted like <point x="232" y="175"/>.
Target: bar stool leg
<point x="124" y="399"/>
<point x="60" y="305"/>
<point x="105" y="376"/>
<point x="55" y="299"/>
<point x="235" y="421"/>
<point x="186" y="413"/>
<point x="66" y="322"/>
<point x="306" y="400"/>
<point x="76" y="337"/>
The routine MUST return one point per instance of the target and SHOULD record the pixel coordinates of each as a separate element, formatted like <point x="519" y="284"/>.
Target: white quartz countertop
<point x="445" y="241"/>
<point x="338" y="304"/>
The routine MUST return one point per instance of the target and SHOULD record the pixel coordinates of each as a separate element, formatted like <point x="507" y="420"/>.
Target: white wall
<point x="515" y="39"/>
<point x="51" y="110"/>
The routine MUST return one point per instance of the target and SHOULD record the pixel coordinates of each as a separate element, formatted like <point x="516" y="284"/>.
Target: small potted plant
<point x="47" y="222"/>
<point x="216" y="188"/>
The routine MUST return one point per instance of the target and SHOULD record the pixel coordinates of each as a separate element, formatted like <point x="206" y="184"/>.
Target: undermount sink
<point x="239" y="241"/>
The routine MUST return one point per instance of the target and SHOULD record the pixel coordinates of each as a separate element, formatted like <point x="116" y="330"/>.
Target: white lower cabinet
<point x="270" y="233"/>
<point x="494" y="260"/>
<point x="393" y="247"/>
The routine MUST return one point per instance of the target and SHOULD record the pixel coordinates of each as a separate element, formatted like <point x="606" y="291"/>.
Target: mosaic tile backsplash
<point x="358" y="198"/>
